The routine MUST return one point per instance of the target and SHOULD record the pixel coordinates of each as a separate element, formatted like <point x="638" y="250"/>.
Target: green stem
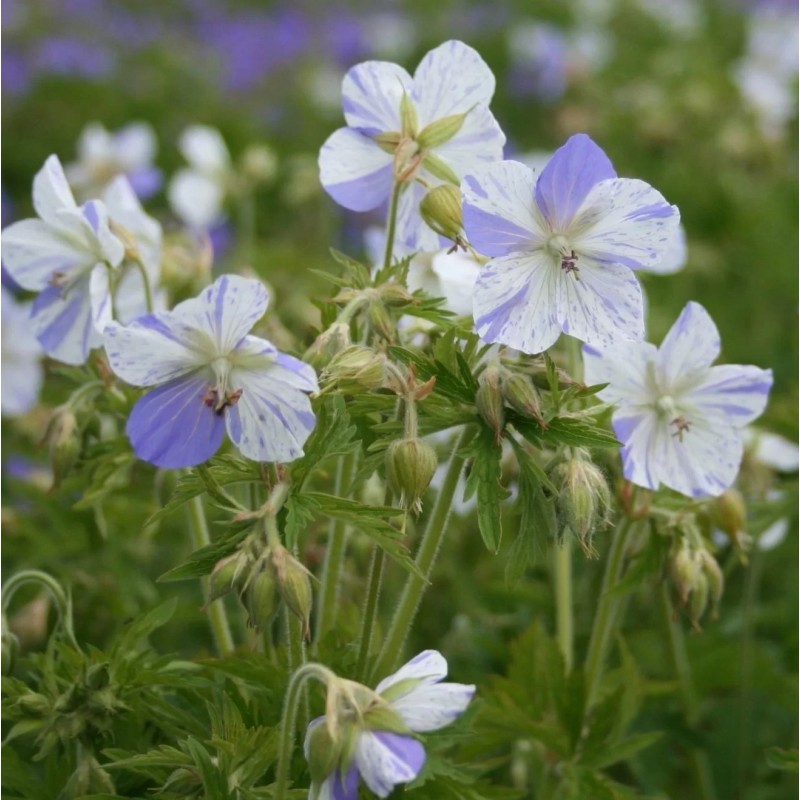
<point x="148" y="290"/>
<point x="688" y="695"/>
<point x="391" y="225"/>
<point x="370" y="611"/>
<point x="289" y="720"/>
<point x="429" y="546"/>
<point x="562" y="570"/>
<point x="606" y="615"/>
<point x="198" y="530"/>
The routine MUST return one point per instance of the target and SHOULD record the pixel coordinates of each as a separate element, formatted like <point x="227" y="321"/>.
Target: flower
<point x="196" y="192"/>
<point x="102" y="156"/>
<point x="65" y="255"/>
<point x="563" y="247"/>
<point x="422" y="131"/>
<point x="679" y="418"/>
<point x="212" y="376"/>
<point x="21" y="358"/>
<point x="413" y="700"/>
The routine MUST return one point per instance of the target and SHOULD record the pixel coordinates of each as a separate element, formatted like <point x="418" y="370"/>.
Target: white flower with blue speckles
<point x="563" y="247"/>
<point x="679" y="418"/>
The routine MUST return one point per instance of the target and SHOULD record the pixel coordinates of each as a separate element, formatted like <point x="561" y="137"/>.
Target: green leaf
<point x="357" y="273"/>
<point x="782" y="758"/>
<point x="143" y="626"/>
<point x="607" y="754"/>
<point x="201" y="562"/>
<point x="484" y="480"/>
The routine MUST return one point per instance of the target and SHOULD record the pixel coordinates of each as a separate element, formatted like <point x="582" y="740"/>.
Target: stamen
<point x="568" y="264"/>
<point x="681" y="426"/>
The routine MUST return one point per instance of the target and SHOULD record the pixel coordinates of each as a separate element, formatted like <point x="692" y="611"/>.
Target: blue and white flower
<point x="66" y="255"/>
<point x="679" y="418"/>
<point x="211" y="376"/>
<point x="102" y="156"/>
<point x="359" y="163"/>
<point x="21" y="358"/>
<point x="384" y="759"/>
<point x="563" y="247"/>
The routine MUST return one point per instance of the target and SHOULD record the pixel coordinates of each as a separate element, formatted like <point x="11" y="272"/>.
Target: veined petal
<point x="626" y="221"/>
<point x="568" y="177"/>
<point x="205" y="149"/>
<point x="173" y="427"/>
<point x="673" y="258"/>
<point x="354" y="171"/>
<point x="99" y="236"/>
<point x="451" y="79"/>
<point x="196" y="198"/>
<point x="479" y="140"/>
<point x="51" y="192"/>
<point x="624" y="368"/>
<point x="639" y="430"/>
<point x="498" y="209"/>
<point x="271" y="420"/>
<point x="601" y="306"/>
<point x="516" y="302"/>
<point x="64" y="322"/>
<point x="33" y="251"/>
<point x="149" y="351"/>
<point x="385" y="759"/>
<point x="736" y="393"/>
<point x="371" y="95"/>
<point x="100" y="296"/>
<point x="428" y="708"/>
<point x="427" y="667"/>
<point x="690" y="347"/>
<point x="338" y="787"/>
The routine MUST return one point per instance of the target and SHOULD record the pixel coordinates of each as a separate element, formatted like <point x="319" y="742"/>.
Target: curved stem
<point x="606" y="615"/>
<point x="198" y="530"/>
<point x="432" y="539"/>
<point x="688" y="694"/>
<point x="391" y="225"/>
<point x="148" y="290"/>
<point x="562" y="570"/>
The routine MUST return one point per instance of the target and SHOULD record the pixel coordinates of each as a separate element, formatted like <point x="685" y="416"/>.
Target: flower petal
<point x="51" y="192"/>
<point x="412" y="234"/>
<point x="736" y="393"/>
<point x="371" y="95"/>
<point x="205" y="149"/>
<point x="602" y="305"/>
<point x="690" y="347"/>
<point x="385" y="759"/>
<point x="354" y="171"/>
<point x="135" y="145"/>
<point x="195" y="198"/>
<point x="498" y="212"/>
<point x="97" y="232"/>
<point x="624" y="367"/>
<point x="516" y="302"/>
<point x="626" y="221"/>
<point x="638" y="429"/>
<point x="480" y="139"/>
<point x="229" y="308"/>
<point x="772" y="450"/>
<point x="172" y="427"/>
<point x="428" y="708"/>
<point x="451" y="79"/>
<point x="427" y="667"/>
<point x="568" y="177"/>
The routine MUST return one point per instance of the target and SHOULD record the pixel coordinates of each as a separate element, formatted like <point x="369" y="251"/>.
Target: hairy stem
<point x="391" y="225"/>
<point x="562" y="570"/>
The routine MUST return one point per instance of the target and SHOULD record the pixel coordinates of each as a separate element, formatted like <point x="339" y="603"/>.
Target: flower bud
<point x="730" y="513"/>
<point x="261" y="597"/>
<point x="698" y="600"/>
<point x="356" y="369"/>
<point x="34" y="704"/>
<point x="64" y="440"/>
<point x="410" y="466"/>
<point x="394" y="295"/>
<point x="323" y="751"/>
<point x="583" y="499"/>
<point x="328" y="344"/>
<point x="715" y="578"/>
<point x="294" y="585"/>
<point x="259" y="163"/>
<point x="521" y="395"/>
<point x="685" y="571"/>
<point x="441" y="210"/>
<point x="381" y="321"/>
<point x="89" y="778"/>
<point x="489" y="401"/>
<point x="228" y="574"/>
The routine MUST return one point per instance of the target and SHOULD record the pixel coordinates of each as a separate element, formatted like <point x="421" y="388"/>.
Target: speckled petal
<point x="386" y="759"/>
<point x="690" y="347"/>
<point x="371" y="95"/>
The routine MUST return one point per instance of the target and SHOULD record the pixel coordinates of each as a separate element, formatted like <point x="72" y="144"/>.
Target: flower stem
<point x="562" y="570"/>
<point x="198" y="530"/>
<point x="391" y="224"/>
<point x="429" y="546"/>
<point x="148" y="291"/>
<point x="607" y="613"/>
<point x="688" y="695"/>
<point x="370" y="610"/>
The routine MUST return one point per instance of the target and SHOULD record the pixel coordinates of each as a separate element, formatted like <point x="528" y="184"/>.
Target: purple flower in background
<point x="65" y="255"/>
<point x="679" y="418"/>
<point x="66" y="55"/>
<point x="21" y="358"/>
<point x="539" y="60"/>
<point x="384" y="758"/>
<point x="102" y="156"/>
<point x="359" y="163"/>
<point x="563" y="247"/>
<point x="212" y="376"/>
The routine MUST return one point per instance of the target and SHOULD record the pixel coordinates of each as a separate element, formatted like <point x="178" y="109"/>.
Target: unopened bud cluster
<point x="697" y="579"/>
<point x="500" y="388"/>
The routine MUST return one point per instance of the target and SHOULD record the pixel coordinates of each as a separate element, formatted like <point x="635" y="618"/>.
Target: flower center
<point x="666" y="408"/>
<point x="559" y="247"/>
<point x="221" y="396"/>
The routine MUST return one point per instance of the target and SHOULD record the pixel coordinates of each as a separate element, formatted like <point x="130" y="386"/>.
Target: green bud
<point x="520" y="393"/>
<point x="356" y="369"/>
<point x="410" y="466"/>
<point x="489" y="401"/>
<point x="294" y="585"/>
<point x="381" y="321"/>
<point x="324" y="752"/>
<point x="394" y="295"/>
<point x="730" y="513"/>
<point x="261" y="597"/>
<point x="259" y="163"/>
<point x="441" y="130"/>
<point x="441" y="211"/>
<point x="541" y="379"/>
<point x="716" y="580"/>
<point x="34" y="704"/>
<point x="89" y="778"/>
<point x="408" y="117"/>
<point x="64" y="440"/>
<point x="698" y="600"/>
<point x="440" y="169"/>
<point x="685" y="571"/>
<point x="328" y="344"/>
<point x="228" y="574"/>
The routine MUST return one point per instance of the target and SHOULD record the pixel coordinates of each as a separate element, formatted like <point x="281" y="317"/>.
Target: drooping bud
<point x="356" y="369"/>
<point x="730" y="513"/>
<point x="698" y="600"/>
<point x="685" y="571"/>
<point x="583" y="500"/>
<point x="259" y="163"/>
<point x="228" y="574"/>
<point x="489" y="401"/>
<point x="63" y="437"/>
<point x="261" y="596"/>
<point x="410" y="466"/>
<point x="294" y="585"/>
<point x="394" y="295"/>
<point x="715" y="578"/>
<point x="324" y="751"/>
<point x="520" y="393"/>
<point x="441" y="130"/>
<point x="441" y="210"/>
<point x="381" y="321"/>
<point x="328" y="344"/>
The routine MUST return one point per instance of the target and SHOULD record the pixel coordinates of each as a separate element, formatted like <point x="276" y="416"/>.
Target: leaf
<point x="355" y="271"/>
<point x="143" y="626"/>
<point x="782" y="758"/>
<point x="610" y="753"/>
<point x="484" y="480"/>
<point x="201" y="562"/>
